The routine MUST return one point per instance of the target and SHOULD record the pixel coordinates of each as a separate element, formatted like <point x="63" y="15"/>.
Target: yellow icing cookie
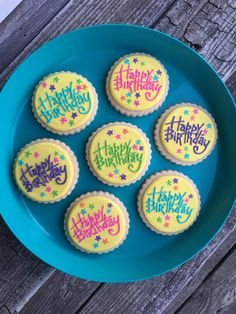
<point x="46" y="170"/>
<point x="118" y="153"/>
<point x="96" y="222"/>
<point x="65" y="102"/>
<point x="169" y="202"/>
<point x="137" y="84"/>
<point x="186" y="134"/>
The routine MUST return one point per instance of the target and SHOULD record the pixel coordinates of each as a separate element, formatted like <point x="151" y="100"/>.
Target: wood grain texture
<point x="207" y="26"/>
<point x="217" y="294"/>
<point x="34" y="285"/>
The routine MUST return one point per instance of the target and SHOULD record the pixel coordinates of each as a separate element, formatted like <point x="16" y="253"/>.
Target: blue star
<point x="137" y="95"/>
<point x="135" y="60"/>
<point x="62" y="157"/>
<point x="116" y="171"/>
<point x="126" y="61"/>
<point x="20" y="162"/>
<point x="186" y="112"/>
<point x="155" y="78"/>
<point x="109" y="205"/>
<point x="209" y="126"/>
<point x="42" y="194"/>
<point x="138" y="142"/>
<point x="83" y="211"/>
<point x="186" y="156"/>
<point x="97" y="238"/>
<point x="159" y="72"/>
<point x="96" y="245"/>
<point x="128" y="94"/>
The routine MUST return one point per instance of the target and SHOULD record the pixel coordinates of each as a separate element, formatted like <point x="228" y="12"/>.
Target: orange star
<point x="82" y="205"/>
<point x="125" y="131"/>
<point x="84" y="86"/>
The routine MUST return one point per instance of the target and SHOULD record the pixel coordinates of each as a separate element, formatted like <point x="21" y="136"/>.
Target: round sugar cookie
<point x="46" y="170"/>
<point x="96" y="222"/>
<point x="185" y="134"/>
<point x="168" y="202"/>
<point x="65" y="102"/>
<point x="137" y="84"/>
<point x="118" y="153"/>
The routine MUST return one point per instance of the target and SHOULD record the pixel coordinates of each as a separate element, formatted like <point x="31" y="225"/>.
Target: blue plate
<point x="91" y="52"/>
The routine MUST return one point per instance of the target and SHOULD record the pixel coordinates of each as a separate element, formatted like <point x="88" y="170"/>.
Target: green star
<point x="186" y="112"/>
<point x="42" y="194"/>
<point x="56" y="79"/>
<point x="62" y="157"/>
<point x="129" y="101"/>
<point x="91" y="206"/>
<point x="79" y="81"/>
<point x="186" y="148"/>
<point x="28" y="154"/>
<point x="54" y="193"/>
<point x="142" y="63"/>
<point x="169" y="182"/>
<point x="71" y="122"/>
<point x="159" y="219"/>
<point x="108" y="211"/>
<point x="56" y="153"/>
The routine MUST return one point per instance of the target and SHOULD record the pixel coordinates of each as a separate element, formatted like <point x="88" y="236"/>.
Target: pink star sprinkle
<point x="186" y="200"/>
<point x="63" y="120"/>
<point x="175" y="187"/>
<point x="55" y="159"/>
<point x="44" y="84"/>
<point x="110" y="175"/>
<point x="118" y="137"/>
<point x="205" y="131"/>
<point x="48" y="189"/>
<point x="136" y="103"/>
<point x="167" y="217"/>
<point x="78" y="87"/>
<point x="195" y="111"/>
<point x="192" y="118"/>
<point x="179" y="151"/>
<point x="135" y="147"/>
<point x="36" y="154"/>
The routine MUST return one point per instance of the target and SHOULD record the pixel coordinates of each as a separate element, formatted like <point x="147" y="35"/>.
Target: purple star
<point x="190" y="196"/>
<point x="175" y="180"/>
<point x="74" y="115"/>
<point x="137" y="95"/>
<point x="159" y="72"/>
<point x="123" y="176"/>
<point x="135" y="60"/>
<point x="52" y="88"/>
<point x="97" y="238"/>
<point x="141" y="148"/>
<point x="110" y="132"/>
<point x="109" y="205"/>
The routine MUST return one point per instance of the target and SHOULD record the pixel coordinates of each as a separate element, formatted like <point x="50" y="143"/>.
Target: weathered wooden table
<point x="206" y="284"/>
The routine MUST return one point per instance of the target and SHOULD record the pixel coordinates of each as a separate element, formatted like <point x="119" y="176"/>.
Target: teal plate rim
<point x="36" y="242"/>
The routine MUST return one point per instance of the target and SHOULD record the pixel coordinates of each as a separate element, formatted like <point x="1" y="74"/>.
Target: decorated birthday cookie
<point x="168" y="202"/>
<point x="118" y="153"/>
<point x="46" y="170"/>
<point x="185" y="134"/>
<point x="96" y="222"/>
<point x="65" y="102"/>
<point x="137" y="84"/>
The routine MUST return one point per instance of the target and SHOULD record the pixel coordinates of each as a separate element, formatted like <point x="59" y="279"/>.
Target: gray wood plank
<point x="20" y="27"/>
<point x="208" y="26"/>
<point x="217" y="294"/>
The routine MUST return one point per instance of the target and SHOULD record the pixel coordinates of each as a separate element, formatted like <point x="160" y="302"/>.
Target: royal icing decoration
<point x="96" y="223"/>
<point x="44" y="171"/>
<point x="119" y="153"/>
<point x="138" y="82"/>
<point x="170" y="203"/>
<point x="188" y="133"/>
<point x="65" y="101"/>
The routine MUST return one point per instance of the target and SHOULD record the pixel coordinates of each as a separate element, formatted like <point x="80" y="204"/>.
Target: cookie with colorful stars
<point x="169" y="202"/>
<point x="118" y="153"/>
<point x="185" y="134"/>
<point x="137" y="84"/>
<point x="65" y="102"/>
<point x="46" y="170"/>
<point x="96" y="222"/>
